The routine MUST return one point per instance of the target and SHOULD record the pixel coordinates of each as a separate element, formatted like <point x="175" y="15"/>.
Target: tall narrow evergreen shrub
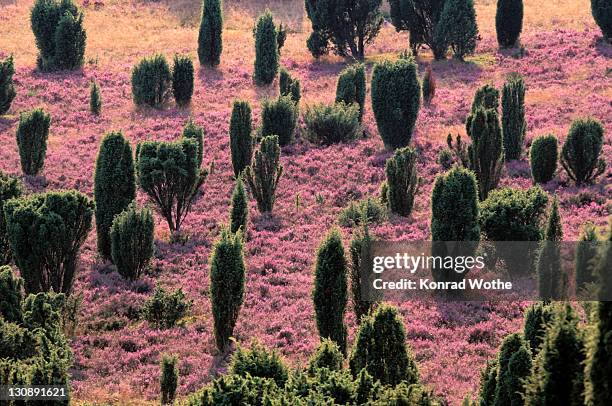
<point x="151" y="81"/>
<point x="487" y="97"/>
<point x="210" y="38"/>
<point x="327" y="355"/>
<point x="551" y="280"/>
<point x="70" y="41"/>
<point x="264" y="173"/>
<point x="402" y="180"/>
<point x="487" y="150"/>
<point x="380" y="348"/>
<point x="586" y="252"/>
<point x="508" y="22"/>
<point x="488" y="384"/>
<point x="195" y="132"/>
<point x="396" y="99"/>
<point x="266" y="49"/>
<point x="7" y="88"/>
<point x="602" y="13"/>
<point x="182" y="80"/>
<point x="581" y="150"/>
<point x="514" y="368"/>
<point x="10" y="188"/>
<point x="239" y="214"/>
<point x="95" y="98"/>
<point x="46" y="232"/>
<point x="358" y="250"/>
<point x="169" y="379"/>
<point x="241" y="138"/>
<point x="11" y="295"/>
<point x="351" y="87"/>
<point x="32" y="134"/>
<point x="227" y="276"/>
<point x="536" y="321"/>
<point x="279" y="117"/>
<point x="457" y="28"/>
<point x="330" y="289"/>
<point x="131" y="237"/>
<point x="513" y="116"/>
<point x="114" y="186"/>
<point x="543" y="157"/>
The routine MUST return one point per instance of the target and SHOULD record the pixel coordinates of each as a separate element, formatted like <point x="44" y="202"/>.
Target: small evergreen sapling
<point x="543" y="157"/>
<point x="351" y="87"/>
<point x="508" y="22"/>
<point x="239" y="214"/>
<point x="182" y="80"/>
<point x="241" y="138"/>
<point x="266" y="49"/>
<point x="327" y="355"/>
<point x="264" y="173"/>
<point x="513" y="369"/>
<point x="359" y="250"/>
<point x="169" y="379"/>
<point x="513" y="116"/>
<point x="536" y="322"/>
<point x="210" y="39"/>
<point x="7" y="88"/>
<point x="164" y="308"/>
<point x="330" y="124"/>
<point x="95" y="98"/>
<point x="402" y="180"/>
<point x="289" y="86"/>
<point x="32" y="134"/>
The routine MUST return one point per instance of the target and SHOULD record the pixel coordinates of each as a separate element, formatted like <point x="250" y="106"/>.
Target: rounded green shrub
<point x="445" y="159"/>
<point x="169" y="379"/>
<point x="10" y="188"/>
<point x="351" y="87"/>
<point x="266" y="49"/>
<point x="95" y="98"/>
<point x="7" y="87"/>
<point x="487" y="97"/>
<point x="353" y="215"/>
<point x="258" y="362"/>
<point x="279" y="117"/>
<point x="239" y="214"/>
<point x="46" y="231"/>
<point x="264" y="173"/>
<point x="114" y="186"/>
<point x="396" y="99"/>
<point x="131" y="236"/>
<point x="70" y="41"/>
<point x="210" y="38"/>
<point x="318" y="43"/>
<point x="457" y="28"/>
<point x="151" y="79"/>
<point x="402" y="180"/>
<point x="380" y="348"/>
<point x="508" y="22"/>
<point x="32" y="134"/>
<point x="164" y="308"/>
<point x="330" y="124"/>
<point x="327" y="355"/>
<point x="543" y="157"/>
<point x="602" y="13"/>
<point x="182" y="80"/>
<point x="513" y="116"/>
<point x="241" y="138"/>
<point x="227" y="277"/>
<point x="580" y="155"/>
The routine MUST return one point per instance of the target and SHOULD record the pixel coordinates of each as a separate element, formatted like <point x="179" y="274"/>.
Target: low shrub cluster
<point x="351" y="87"/>
<point x="330" y="124"/>
<point x="164" y="308"/>
<point x="289" y="86"/>
<point x="375" y="212"/>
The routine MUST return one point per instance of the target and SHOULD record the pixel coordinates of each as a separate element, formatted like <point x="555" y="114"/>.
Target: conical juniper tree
<point x="10" y="188"/>
<point x="580" y="155"/>
<point x="210" y="39"/>
<point x="330" y="289"/>
<point x="239" y="213"/>
<point x="32" y="135"/>
<point x="241" y="137"/>
<point x="513" y="369"/>
<point x="552" y="281"/>
<point x="513" y="116"/>
<point x="402" y="180"/>
<point x="351" y="87"/>
<point x="266" y="49"/>
<point x="586" y="252"/>
<point x="508" y="22"/>
<point x="7" y="88"/>
<point x="457" y="28"/>
<point x="264" y="173"/>
<point x="169" y="379"/>
<point x="536" y="322"/>
<point x="114" y="185"/>
<point x="359" y="250"/>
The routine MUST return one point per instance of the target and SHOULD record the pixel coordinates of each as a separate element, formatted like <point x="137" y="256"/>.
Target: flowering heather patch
<point x="117" y="355"/>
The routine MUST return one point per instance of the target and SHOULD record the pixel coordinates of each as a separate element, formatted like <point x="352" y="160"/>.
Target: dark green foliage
<point x="543" y="157"/>
<point x="445" y="159"/>
<point x="60" y="36"/>
<point x="151" y="80"/>
<point x="164" y="308"/>
<point x="420" y="18"/>
<point x="266" y="49"/>
<point x="459" y="150"/>
<point x="428" y="86"/>
<point x="289" y="86"/>
<point x="381" y="349"/>
<point x="32" y="134"/>
<point x="264" y="173"/>
<point x="551" y="279"/>
<point x="196" y="133"/>
<point x="241" y="139"/>
<point x="258" y="362"/>
<point x="46" y="231"/>
<point x="281" y="36"/>
<point x="330" y="124"/>
<point x="95" y="98"/>
<point x="581" y="150"/>
<point x="227" y="276"/>
<point x="7" y="88"/>
<point x="454" y="207"/>
<point x="114" y="186"/>
<point x="169" y="379"/>
<point x="537" y="319"/>
<point x="488" y="384"/>
<point x="182" y="80"/>
<point x="9" y="188"/>
<point x="486" y="97"/>
<point x="586" y="253"/>
<point x="279" y="117"/>
<point x="352" y="215"/>
<point x="487" y="151"/>
<point x="347" y="26"/>
<point x="514" y="367"/>
<point x="457" y="28"/>
<point x="11" y="295"/>
<point x="513" y="115"/>
<point x="396" y="99"/>
<point x="604" y="276"/>
<point x="508" y="22"/>
<point x="169" y="174"/>
<point x="210" y="39"/>
<point x="557" y="378"/>
<point x="132" y="236"/>
<point x="514" y="214"/>
<point x="402" y="180"/>
<point x="330" y="289"/>
<point x="602" y="13"/>
<point x="359" y="250"/>
<point x="239" y="214"/>
<point x="317" y="44"/>
<point x="351" y="87"/>
<point x="327" y="355"/>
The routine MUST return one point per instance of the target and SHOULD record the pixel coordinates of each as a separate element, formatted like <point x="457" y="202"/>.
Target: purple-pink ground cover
<point x="117" y="356"/>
